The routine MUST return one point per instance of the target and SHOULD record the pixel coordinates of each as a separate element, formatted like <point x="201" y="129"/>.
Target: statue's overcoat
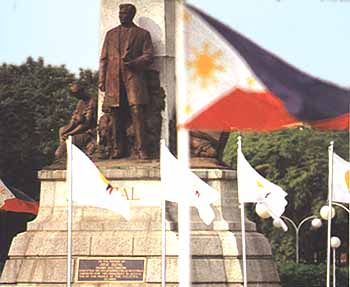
<point x="138" y="50"/>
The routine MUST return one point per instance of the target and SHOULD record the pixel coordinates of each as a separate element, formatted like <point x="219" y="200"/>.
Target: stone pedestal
<point x="38" y="256"/>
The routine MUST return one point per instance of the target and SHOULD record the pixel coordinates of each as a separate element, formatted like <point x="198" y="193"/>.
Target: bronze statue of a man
<point x="126" y="54"/>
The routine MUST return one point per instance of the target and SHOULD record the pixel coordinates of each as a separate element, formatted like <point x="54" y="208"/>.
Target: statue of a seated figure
<point x="82" y="126"/>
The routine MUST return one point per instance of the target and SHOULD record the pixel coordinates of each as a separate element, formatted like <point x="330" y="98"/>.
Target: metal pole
<point x="297" y="231"/>
<point x="184" y="262"/>
<point x="163" y="243"/>
<point x="184" y="218"/>
<point x="244" y="252"/>
<point x="349" y="207"/>
<point x="162" y="167"/>
<point x="348" y="211"/>
<point x="334" y="267"/>
<point x="330" y="188"/>
<point x="69" y="221"/>
<point x="296" y="237"/>
<point x="297" y="246"/>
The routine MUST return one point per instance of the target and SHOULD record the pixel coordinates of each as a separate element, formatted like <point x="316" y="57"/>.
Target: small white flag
<point x="341" y="179"/>
<point x="252" y="187"/>
<point x="201" y="194"/>
<point x="90" y="187"/>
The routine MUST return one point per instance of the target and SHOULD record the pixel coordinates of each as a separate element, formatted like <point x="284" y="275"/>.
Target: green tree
<point x="35" y="102"/>
<point x="296" y="160"/>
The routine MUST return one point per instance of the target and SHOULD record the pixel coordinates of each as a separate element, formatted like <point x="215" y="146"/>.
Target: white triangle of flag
<point x="5" y="193"/>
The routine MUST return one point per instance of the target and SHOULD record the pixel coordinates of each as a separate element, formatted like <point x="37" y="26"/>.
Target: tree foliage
<point x="296" y="160"/>
<point x="309" y="275"/>
<point x="35" y="102"/>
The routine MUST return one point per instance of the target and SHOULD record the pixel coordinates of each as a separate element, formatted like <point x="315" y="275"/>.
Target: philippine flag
<point x="233" y="84"/>
<point x="15" y="200"/>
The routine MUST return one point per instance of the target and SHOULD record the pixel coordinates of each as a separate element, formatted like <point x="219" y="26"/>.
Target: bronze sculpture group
<point x="133" y="100"/>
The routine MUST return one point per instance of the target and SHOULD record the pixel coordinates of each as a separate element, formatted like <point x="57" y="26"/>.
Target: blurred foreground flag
<point x="201" y="193"/>
<point x="252" y="187"/>
<point x="341" y="179"/>
<point x="90" y="187"/>
<point x="233" y="84"/>
<point x="16" y="201"/>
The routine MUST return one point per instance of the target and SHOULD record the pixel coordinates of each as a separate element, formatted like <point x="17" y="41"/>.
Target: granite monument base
<point x="108" y="250"/>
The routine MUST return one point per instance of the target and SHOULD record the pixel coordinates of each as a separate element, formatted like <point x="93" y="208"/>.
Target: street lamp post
<point x="335" y="243"/>
<point x="316" y="223"/>
<point x="326" y="215"/>
<point x="348" y="211"/>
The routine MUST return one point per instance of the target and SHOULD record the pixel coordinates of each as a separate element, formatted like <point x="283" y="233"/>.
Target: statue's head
<point x="77" y="90"/>
<point x="126" y="13"/>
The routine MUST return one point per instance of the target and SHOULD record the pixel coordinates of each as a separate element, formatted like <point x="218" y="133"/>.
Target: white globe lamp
<point x="324" y="212"/>
<point x="262" y="211"/>
<point x="335" y="242"/>
<point x="316" y="223"/>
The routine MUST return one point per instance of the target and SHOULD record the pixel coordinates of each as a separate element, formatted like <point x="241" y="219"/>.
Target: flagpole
<point x="163" y="244"/>
<point x="349" y="248"/>
<point x="162" y="142"/>
<point x="330" y="195"/>
<point x="184" y="218"/>
<point x="244" y="250"/>
<point x="349" y="207"/>
<point x="69" y="221"/>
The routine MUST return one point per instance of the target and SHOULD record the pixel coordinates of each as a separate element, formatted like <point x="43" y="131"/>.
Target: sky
<point x="309" y="34"/>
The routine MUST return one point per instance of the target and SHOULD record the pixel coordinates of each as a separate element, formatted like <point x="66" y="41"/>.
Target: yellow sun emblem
<point x="347" y="179"/>
<point x="259" y="184"/>
<point x="2" y="190"/>
<point x="205" y="65"/>
<point x="188" y="110"/>
<point x="251" y="82"/>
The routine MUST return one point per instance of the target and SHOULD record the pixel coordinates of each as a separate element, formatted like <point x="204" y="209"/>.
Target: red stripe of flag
<point x="338" y="123"/>
<point x="244" y="110"/>
<point x="18" y="205"/>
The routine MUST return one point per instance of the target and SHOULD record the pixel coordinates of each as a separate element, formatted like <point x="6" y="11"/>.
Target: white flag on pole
<point x="252" y="187"/>
<point x="201" y="194"/>
<point x="90" y="187"/>
<point x="341" y="179"/>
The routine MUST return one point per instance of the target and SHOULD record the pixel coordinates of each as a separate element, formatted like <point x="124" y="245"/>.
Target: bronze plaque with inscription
<point x="110" y="269"/>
